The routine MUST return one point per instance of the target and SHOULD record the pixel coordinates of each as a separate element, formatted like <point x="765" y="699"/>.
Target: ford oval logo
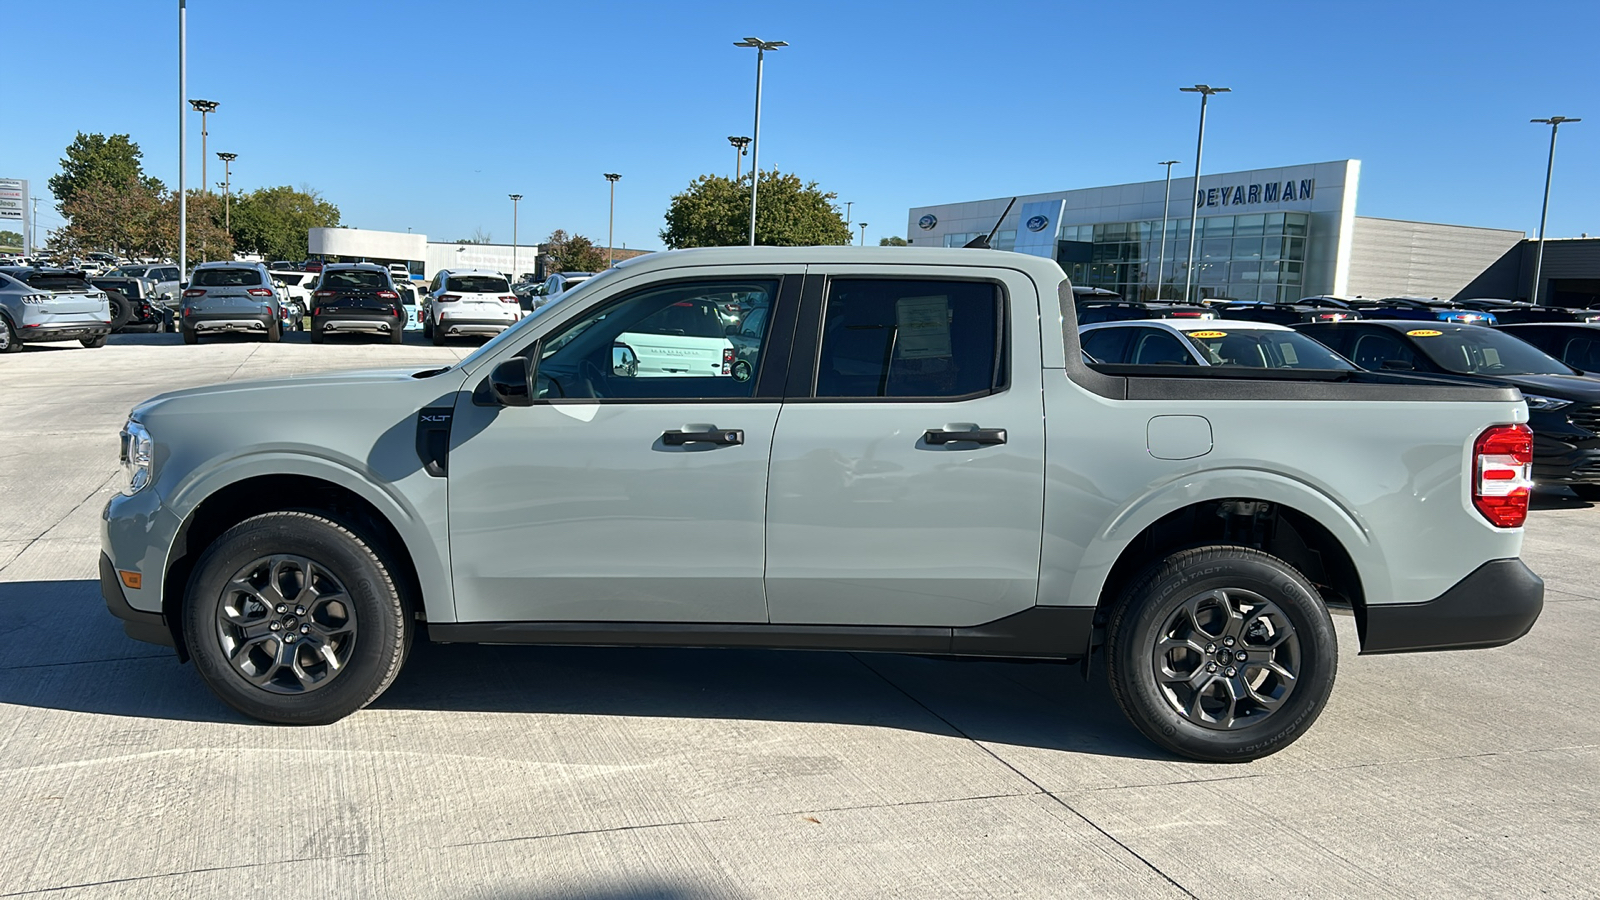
<point x="927" y="222"/>
<point x="1038" y="223"/>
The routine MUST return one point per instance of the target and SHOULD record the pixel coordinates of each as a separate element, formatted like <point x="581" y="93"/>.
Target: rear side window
<point x="1152" y="347"/>
<point x="477" y="284"/>
<point x="226" y="278"/>
<point x="1105" y="344"/>
<point x="354" y="280"/>
<point x="894" y="338"/>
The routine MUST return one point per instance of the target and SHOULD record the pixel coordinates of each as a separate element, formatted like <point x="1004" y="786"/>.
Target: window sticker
<point x="922" y="327"/>
<point x="1208" y="334"/>
<point x="1424" y="332"/>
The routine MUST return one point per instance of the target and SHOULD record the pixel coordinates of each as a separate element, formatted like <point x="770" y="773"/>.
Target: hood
<point x="1562" y="387"/>
<point x="357" y="387"/>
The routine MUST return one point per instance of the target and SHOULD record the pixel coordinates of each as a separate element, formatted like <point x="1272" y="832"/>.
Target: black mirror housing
<point x="511" y="383"/>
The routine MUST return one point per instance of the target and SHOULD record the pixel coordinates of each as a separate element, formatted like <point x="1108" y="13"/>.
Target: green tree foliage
<point x="97" y="159"/>
<point x="893" y="242"/>
<point x="124" y="217"/>
<point x="275" y="221"/>
<point x="715" y="212"/>
<point x="573" y="253"/>
<point x="11" y="240"/>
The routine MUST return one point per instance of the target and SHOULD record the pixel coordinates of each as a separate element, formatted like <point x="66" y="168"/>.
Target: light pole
<point x="203" y="107"/>
<point x="863" y="226"/>
<point x="1555" y="123"/>
<point x="755" y="141"/>
<point x="514" y="199"/>
<point x="1166" y="202"/>
<point x="739" y="144"/>
<point x="1205" y="91"/>
<point x="611" y="229"/>
<point x="847" y="205"/>
<point x="227" y="189"/>
<point x="183" y="140"/>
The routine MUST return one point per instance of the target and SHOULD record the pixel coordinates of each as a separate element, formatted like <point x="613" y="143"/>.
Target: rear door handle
<point x="975" y="436"/>
<point x="723" y="436"/>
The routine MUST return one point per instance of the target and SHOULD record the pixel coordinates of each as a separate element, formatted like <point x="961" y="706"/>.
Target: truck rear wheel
<point x="293" y="618"/>
<point x="1222" y="653"/>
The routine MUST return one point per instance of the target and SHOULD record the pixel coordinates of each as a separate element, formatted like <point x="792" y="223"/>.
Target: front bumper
<point x="1493" y="606"/>
<point x="150" y="627"/>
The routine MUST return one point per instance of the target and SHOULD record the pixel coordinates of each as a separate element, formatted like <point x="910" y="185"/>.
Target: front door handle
<point x="974" y="436"/>
<point x="722" y="436"/>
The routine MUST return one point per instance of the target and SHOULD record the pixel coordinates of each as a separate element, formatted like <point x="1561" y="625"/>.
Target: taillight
<point x="727" y="360"/>
<point x="1502" y="470"/>
<point x="508" y="298"/>
<point x="388" y="295"/>
<point x="449" y="298"/>
<point x="260" y="292"/>
<point x="324" y="293"/>
<point x="195" y="292"/>
<point x="1330" y="317"/>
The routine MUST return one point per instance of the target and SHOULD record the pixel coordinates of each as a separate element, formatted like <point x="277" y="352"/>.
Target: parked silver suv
<point x="230" y="296"/>
<point x="38" y="305"/>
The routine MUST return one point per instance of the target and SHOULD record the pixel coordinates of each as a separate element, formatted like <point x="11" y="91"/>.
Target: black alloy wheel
<point x="1222" y="653"/>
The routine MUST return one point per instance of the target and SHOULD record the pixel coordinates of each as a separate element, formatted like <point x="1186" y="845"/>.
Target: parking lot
<point x="529" y="772"/>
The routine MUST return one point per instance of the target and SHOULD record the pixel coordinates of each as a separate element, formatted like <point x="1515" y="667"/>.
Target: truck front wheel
<point x="1222" y="653"/>
<point x="293" y="618"/>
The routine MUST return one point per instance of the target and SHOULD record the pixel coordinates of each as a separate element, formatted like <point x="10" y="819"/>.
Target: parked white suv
<point x="469" y="302"/>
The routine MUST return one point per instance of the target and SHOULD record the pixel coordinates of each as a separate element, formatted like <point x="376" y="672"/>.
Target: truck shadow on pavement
<point x="61" y="649"/>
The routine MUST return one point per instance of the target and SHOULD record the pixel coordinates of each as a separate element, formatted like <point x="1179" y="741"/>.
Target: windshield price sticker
<point x="1208" y="334"/>
<point x="1424" y="332"/>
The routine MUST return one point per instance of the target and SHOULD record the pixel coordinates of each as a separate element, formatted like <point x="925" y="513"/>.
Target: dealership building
<point x="1266" y="234"/>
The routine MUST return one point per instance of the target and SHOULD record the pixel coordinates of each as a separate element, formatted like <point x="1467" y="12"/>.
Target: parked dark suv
<point x="1563" y="405"/>
<point x="356" y="297"/>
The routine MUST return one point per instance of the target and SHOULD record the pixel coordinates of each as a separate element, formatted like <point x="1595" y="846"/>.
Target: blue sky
<point x="426" y="115"/>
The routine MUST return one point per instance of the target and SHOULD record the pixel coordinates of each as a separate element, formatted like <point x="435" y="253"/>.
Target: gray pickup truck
<point x="919" y="460"/>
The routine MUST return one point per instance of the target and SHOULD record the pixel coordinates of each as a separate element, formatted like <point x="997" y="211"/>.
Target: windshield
<point x="476" y="284"/>
<point x="226" y="278"/>
<point x="130" y="271"/>
<point x="1476" y="350"/>
<point x="511" y="334"/>
<point x="1264" y="349"/>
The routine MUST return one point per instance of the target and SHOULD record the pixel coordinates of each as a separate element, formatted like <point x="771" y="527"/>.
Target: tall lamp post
<point x="204" y="108"/>
<point x="514" y="199"/>
<point x="227" y="189"/>
<point x="863" y="226"/>
<point x="1205" y="91"/>
<point x="847" y="205"/>
<point x="611" y="228"/>
<point x="183" y="140"/>
<point x="739" y="144"/>
<point x="755" y="141"/>
<point x="1555" y="123"/>
<point x="1166" y="202"/>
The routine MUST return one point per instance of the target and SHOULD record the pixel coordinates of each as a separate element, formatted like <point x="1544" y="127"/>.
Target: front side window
<point x="1264" y="349"/>
<point x="902" y="338"/>
<point x="1154" y="347"/>
<point x="681" y="341"/>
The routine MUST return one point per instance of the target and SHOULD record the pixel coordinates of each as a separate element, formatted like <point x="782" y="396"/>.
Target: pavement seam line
<point x="82" y="662"/>
<point x="40" y="536"/>
<point x="199" y="871"/>
<point x="1019" y="773"/>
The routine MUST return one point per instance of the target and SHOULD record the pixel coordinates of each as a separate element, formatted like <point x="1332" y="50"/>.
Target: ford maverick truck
<point x="907" y="451"/>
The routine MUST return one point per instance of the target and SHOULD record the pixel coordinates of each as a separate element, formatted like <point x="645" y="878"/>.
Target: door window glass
<point x="895" y="338"/>
<point x="697" y="340"/>
<point x="1158" y="348"/>
<point x="1105" y="344"/>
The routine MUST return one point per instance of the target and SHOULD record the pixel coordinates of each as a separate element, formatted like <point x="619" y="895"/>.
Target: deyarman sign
<point x="1250" y="194"/>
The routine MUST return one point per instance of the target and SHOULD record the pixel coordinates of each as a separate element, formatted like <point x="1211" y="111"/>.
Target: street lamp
<point x="847" y="205"/>
<point x="755" y="141"/>
<point x="227" y="189"/>
<point x="611" y="229"/>
<point x="1205" y="91"/>
<point x="739" y="144"/>
<point x="1166" y="202"/>
<point x="863" y="226"/>
<point x="1555" y="123"/>
<point x="514" y="199"/>
<point x="203" y="107"/>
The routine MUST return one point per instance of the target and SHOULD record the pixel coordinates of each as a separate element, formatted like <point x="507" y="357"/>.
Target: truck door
<point x="627" y="492"/>
<point x="907" y="475"/>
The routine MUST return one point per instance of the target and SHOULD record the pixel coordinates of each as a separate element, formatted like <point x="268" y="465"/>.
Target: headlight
<point x="1544" y="403"/>
<point x="136" y="453"/>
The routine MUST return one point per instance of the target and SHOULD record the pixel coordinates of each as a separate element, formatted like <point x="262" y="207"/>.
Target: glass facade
<point x="1243" y="257"/>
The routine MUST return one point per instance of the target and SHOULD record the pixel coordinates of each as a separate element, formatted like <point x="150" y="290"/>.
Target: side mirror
<point x="511" y="383"/>
<point x="624" y="362"/>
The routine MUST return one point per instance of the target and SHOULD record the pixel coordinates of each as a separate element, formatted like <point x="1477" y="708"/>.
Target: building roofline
<point x="1445" y="225"/>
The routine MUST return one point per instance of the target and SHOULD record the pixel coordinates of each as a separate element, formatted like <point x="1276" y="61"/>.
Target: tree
<point x="573" y="253"/>
<point x="11" y="240"/>
<point x="95" y="158"/>
<point x="125" y="217"/>
<point x="715" y="212"/>
<point x="275" y="222"/>
<point x="893" y="242"/>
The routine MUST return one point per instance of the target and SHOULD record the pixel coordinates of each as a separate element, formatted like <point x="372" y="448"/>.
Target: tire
<point x="9" y="342"/>
<point x="235" y="632"/>
<point x="93" y="343"/>
<point x="427" y="327"/>
<point x="274" y="331"/>
<point x="437" y="334"/>
<point x="1586" y="491"/>
<point x="1181" y="603"/>
<point x="190" y="336"/>
<point x="121" y="309"/>
<point x="317" y="336"/>
<point x="397" y="336"/>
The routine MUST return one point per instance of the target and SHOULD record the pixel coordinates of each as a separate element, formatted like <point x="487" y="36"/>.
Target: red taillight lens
<point x="388" y="295"/>
<point x="260" y="292"/>
<point x="324" y="293"/>
<point x="1502" y="470"/>
<point x="449" y="298"/>
<point x="727" y="360"/>
<point x="195" y="292"/>
<point x="508" y="298"/>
